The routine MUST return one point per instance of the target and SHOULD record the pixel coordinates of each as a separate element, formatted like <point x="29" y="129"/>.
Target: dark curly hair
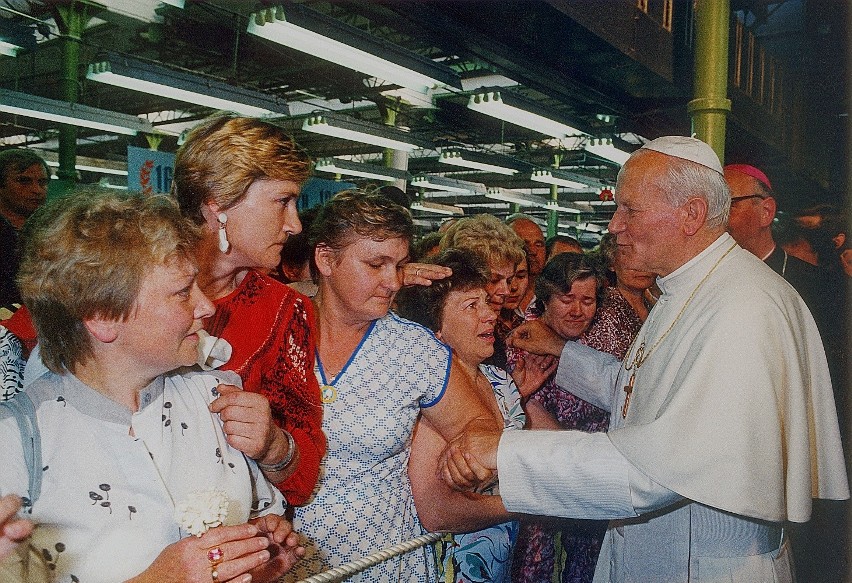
<point x="425" y="304"/>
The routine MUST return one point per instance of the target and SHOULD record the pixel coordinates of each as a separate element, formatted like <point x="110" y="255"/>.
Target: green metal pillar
<point x="552" y="215"/>
<point x="393" y="158"/>
<point x="710" y="106"/>
<point x="71" y="23"/>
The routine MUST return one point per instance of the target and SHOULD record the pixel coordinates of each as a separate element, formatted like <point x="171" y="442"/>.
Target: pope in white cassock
<point x="723" y="420"/>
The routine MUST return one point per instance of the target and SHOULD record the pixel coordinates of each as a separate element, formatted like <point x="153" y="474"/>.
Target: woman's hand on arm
<point x="244" y="548"/>
<point x="248" y="426"/>
<point x="13" y="530"/>
<point x="470" y="461"/>
<point x="458" y="413"/>
<point x="440" y="508"/>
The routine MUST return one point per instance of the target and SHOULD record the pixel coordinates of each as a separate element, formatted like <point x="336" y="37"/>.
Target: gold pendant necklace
<point x="328" y="392"/>
<point x="640" y="356"/>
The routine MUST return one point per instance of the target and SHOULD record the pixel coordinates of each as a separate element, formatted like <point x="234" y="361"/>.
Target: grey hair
<point x="685" y="179"/>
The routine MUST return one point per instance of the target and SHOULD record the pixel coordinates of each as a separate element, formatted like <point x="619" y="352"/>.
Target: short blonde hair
<point x="225" y="154"/>
<point x="490" y="238"/>
<point x="85" y="256"/>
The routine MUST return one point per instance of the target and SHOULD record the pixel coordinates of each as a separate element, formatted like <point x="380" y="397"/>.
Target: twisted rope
<point x="348" y="569"/>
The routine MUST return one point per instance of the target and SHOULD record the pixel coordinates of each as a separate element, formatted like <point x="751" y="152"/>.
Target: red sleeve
<point x="298" y="408"/>
<point x="21" y="325"/>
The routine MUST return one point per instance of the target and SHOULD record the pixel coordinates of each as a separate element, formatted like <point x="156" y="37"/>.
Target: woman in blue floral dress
<point x="457" y="310"/>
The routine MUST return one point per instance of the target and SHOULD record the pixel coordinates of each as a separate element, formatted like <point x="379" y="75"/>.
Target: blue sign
<point x="317" y="191"/>
<point x="149" y="171"/>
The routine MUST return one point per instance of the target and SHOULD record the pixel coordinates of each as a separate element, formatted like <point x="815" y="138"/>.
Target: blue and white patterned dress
<point x="485" y="556"/>
<point x="363" y="500"/>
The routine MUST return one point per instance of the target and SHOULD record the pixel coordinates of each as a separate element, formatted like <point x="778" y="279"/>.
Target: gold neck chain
<point x="640" y="356"/>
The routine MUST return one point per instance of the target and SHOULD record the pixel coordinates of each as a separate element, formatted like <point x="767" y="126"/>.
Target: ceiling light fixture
<point x="90" y="168"/>
<point x="558" y="179"/>
<point x="327" y="38"/>
<point x="71" y="113"/>
<point x="553" y="205"/>
<point x="514" y="109"/>
<point x="349" y="128"/>
<point x="137" y="75"/>
<point x="513" y="196"/>
<point x="88" y="164"/>
<point x="437" y="208"/>
<point x="9" y="49"/>
<point x="143" y="10"/>
<point x="448" y="184"/>
<point x="349" y="168"/>
<point x="477" y="161"/>
<point x="604" y="149"/>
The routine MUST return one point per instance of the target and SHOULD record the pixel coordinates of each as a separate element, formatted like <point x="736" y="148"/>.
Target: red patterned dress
<point x="271" y="329"/>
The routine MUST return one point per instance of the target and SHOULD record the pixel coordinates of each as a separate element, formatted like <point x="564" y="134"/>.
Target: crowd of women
<point x="179" y="388"/>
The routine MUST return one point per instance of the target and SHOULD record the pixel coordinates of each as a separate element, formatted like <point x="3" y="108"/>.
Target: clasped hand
<point x="261" y="550"/>
<point x="469" y="461"/>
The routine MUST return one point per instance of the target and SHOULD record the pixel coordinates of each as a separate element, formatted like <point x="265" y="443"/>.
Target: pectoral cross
<point x="628" y="389"/>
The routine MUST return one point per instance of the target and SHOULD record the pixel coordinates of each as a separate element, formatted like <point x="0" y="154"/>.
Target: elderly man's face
<point x="647" y="227"/>
<point x="533" y="243"/>
<point x="751" y="212"/>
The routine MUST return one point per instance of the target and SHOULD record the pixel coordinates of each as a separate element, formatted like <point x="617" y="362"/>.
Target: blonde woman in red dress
<point x="240" y="178"/>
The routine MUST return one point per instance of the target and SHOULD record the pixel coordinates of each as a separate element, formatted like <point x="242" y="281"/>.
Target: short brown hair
<point x="225" y="154"/>
<point x="85" y="255"/>
<point x="560" y="273"/>
<point x="357" y="213"/>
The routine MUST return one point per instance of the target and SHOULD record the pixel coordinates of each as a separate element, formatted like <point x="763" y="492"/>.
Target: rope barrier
<point x="348" y="569"/>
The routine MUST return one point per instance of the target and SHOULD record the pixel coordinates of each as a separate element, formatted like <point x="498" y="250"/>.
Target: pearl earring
<point x="224" y="244"/>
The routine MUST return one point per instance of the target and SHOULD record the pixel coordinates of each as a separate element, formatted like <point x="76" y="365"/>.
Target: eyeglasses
<point x="739" y="198"/>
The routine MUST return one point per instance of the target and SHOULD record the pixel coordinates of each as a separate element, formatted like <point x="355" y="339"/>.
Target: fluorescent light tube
<point x="448" y="184"/>
<point x="9" y="49"/>
<point x="155" y="80"/>
<point x="553" y="205"/>
<point x="605" y="149"/>
<point x="348" y="168"/>
<point x="363" y="132"/>
<point x="468" y="159"/>
<point x="508" y="107"/>
<point x="549" y="177"/>
<point x="72" y="113"/>
<point x="434" y="207"/>
<point x="321" y="36"/>
<point x="508" y="195"/>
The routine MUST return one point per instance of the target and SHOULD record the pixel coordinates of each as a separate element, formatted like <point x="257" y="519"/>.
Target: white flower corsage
<point x="201" y="511"/>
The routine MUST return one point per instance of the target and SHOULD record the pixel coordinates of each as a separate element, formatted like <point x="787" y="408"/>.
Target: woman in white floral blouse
<point x="133" y="461"/>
